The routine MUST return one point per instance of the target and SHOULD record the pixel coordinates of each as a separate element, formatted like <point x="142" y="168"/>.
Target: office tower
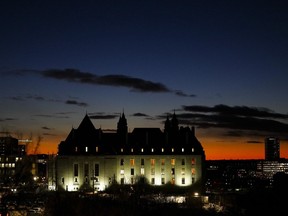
<point x="272" y="148"/>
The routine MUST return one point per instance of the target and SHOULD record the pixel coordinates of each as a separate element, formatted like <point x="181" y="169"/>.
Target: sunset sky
<point x="221" y="66"/>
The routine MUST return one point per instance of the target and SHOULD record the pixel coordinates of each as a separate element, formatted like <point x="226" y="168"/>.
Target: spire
<point x="174" y="122"/>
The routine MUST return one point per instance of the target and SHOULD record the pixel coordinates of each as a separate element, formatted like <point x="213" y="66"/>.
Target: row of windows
<point x="162" y="171"/>
<point x="7" y="165"/>
<point x="132" y="150"/>
<point x="153" y="161"/>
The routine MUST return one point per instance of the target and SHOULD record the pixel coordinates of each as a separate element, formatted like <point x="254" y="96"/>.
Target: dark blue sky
<point x="61" y="59"/>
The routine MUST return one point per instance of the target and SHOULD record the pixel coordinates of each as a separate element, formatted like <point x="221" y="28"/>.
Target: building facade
<point x="92" y="159"/>
<point x="272" y="148"/>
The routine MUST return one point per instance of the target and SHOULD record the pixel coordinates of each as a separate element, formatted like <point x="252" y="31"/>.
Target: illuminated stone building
<point x="91" y="158"/>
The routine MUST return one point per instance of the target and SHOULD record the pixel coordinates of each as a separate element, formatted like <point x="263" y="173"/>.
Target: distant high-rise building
<point x="272" y="148"/>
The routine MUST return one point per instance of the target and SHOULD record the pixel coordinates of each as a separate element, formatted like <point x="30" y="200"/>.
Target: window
<point x="183" y="171"/>
<point x="122" y="181"/>
<point x="193" y="161"/>
<point x="132" y="180"/>
<point x="152" y="150"/>
<point x="62" y="180"/>
<point x="142" y="171"/>
<point x="121" y="149"/>
<point x="162" y="171"/>
<point x="97" y="148"/>
<point x="173" y="171"/>
<point x="173" y="161"/>
<point x="76" y="179"/>
<point x="182" y="149"/>
<point x="96" y="169"/>
<point x="142" y="150"/>
<point x="132" y="150"/>
<point x="162" y="181"/>
<point x="183" y="180"/>
<point x="193" y="171"/>
<point x="152" y="181"/>
<point x="153" y="171"/>
<point x="86" y="149"/>
<point x="121" y="161"/>
<point x="75" y="169"/>
<point x="172" y="150"/>
<point x="162" y="162"/>
<point x="142" y="161"/>
<point x="86" y="170"/>
<point x="122" y="171"/>
<point x="173" y="181"/>
<point x="183" y="161"/>
<point x="132" y="171"/>
<point x="152" y="162"/>
<point x="192" y="149"/>
<point x="132" y="162"/>
<point x="76" y="149"/>
<point x="162" y="149"/>
<point x="193" y="180"/>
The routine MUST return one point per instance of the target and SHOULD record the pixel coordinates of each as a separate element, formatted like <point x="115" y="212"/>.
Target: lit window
<point x="162" y="149"/>
<point x="86" y="149"/>
<point x="193" y="161"/>
<point x="142" y="150"/>
<point x="76" y="149"/>
<point x="162" y="162"/>
<point x="182" y="149"/>
<point x="193" y="171"/>
<point x="192" y="149"/>
<point x="142" y="171"/>
<point x="121" y="149"/>
<point x="132" y="162"/>
<point x="173" y="181"/>
<point x="173" y="161"/>
<point x="131" y="149"/>
<point x="122" y="171"/>
<point x="97" y="148"/>
<point x="152" y="150"/>
<point x="152" y="162"/>
<point x="172" y="149"/>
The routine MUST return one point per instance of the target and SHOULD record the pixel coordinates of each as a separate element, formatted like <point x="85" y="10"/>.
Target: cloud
<point x="74" y="102"/>
<point x="140" y="115"/>
<point x="101" y="115"/>
<point x="116" y="80"/>
<point x="238" y="120"/>
<point x="7" y="119"/>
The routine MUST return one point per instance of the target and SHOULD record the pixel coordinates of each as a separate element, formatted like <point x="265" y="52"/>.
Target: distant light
<point x="196" y="194"/>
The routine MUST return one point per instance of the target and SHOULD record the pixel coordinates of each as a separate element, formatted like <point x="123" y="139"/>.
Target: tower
<point x="272" y="148"/>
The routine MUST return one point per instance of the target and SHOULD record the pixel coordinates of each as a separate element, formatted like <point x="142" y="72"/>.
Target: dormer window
<point x="86" y="149"/>
<point x="172" y="149"/>
<point x="142" y="150"/>
<point x="76" y="149"/>
<point x="182" y="149"/>
<point x="97" y="148"/>
<point x="162" y="149"/>
<point x="152" y="150"/>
